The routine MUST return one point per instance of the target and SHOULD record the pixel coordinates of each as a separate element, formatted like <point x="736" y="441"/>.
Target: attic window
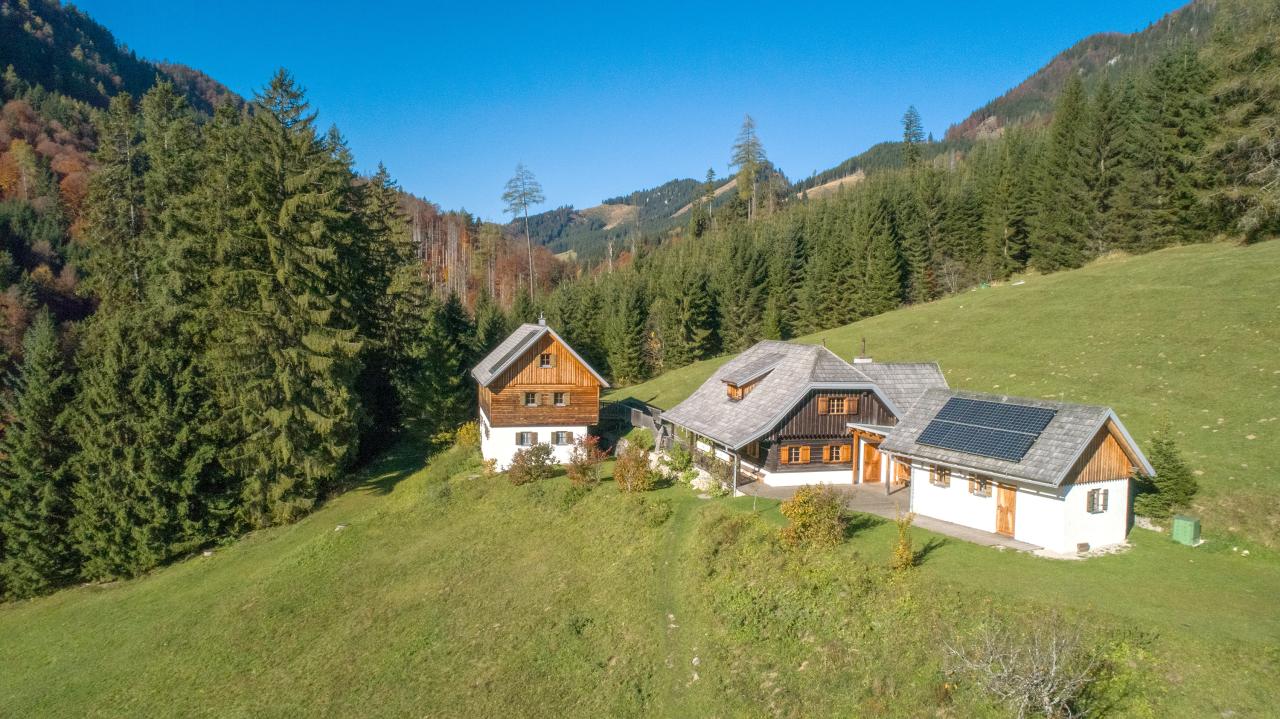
<point x="738" y="392"/>
<point x="546" y="360"/>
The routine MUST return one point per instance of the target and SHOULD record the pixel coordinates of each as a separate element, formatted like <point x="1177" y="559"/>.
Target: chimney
<point x="542" y="320"/>
<point x="862" y="357"/>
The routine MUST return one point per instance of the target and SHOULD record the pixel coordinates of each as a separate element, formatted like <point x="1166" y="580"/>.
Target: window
<point x="526" y="439"/>
<point x="980" y="486"/>
<point x="795" y="454"/>
<point x="837" y="405"/>
<point x="939" y="476"/>
<point x="546" y="360"/>
<point x="835" y="453"/>
<point x="560" y="399"/>
<point x="753" y="450"/>
<point x="1097" y="501"/>
<point x="562" y="438"/>
<point x="531" y="399"/>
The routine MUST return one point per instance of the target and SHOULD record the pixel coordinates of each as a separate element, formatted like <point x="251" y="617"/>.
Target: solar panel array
<point x="987" y="429"/>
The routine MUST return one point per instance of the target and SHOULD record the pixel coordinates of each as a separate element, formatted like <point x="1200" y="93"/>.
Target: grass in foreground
<point x="452" y="594"/>
<point x="1191" y="334"/>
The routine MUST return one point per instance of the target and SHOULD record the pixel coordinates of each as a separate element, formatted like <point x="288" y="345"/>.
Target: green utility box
<point x="1186" y="530"/>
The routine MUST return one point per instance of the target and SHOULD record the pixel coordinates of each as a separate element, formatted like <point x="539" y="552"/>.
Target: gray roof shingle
<point x="1048" y="460"/>
<point x="796" y="369"/>
<point x="516" y="343"/>
<point x="904" y="382"/>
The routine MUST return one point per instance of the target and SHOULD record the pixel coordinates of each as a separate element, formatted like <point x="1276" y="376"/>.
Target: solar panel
<point x="988" y="429"/>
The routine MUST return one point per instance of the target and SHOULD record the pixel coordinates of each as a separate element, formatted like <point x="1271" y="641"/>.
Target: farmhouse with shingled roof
<point x="535" y="389"/>
<point x="1051" y="474"/>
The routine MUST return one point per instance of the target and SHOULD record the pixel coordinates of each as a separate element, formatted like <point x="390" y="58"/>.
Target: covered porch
<point x="873" y="499"/>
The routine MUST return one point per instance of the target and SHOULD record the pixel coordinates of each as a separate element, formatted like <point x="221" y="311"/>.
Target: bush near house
<point x="632" y="472"/>
<point x="816" y="516"/>
<point x="584" y="462"/>
<point x="904" y="555"/>
<point x="533" y="464"/>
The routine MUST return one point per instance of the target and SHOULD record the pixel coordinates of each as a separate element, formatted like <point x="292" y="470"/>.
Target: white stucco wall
<point x="952" y="504"/>
<point x="1038" y="517"/>
<point x="500" y="442"/>
<point x="796" y="479"/>
<point x="1056" y="520"/>
<point x="1102" y="529"/>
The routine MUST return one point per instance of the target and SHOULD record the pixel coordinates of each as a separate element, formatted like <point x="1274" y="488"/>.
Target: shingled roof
<point x="904" y="382"/>
<point x="785" y="374"/>
<point x="516" y="343"/>
<point x="1047" y="462"/>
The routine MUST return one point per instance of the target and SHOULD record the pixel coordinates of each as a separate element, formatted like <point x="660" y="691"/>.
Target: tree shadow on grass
<point x="403" y="459"/>
<point x="928" y="548"/>
<point x="859" y="522"/>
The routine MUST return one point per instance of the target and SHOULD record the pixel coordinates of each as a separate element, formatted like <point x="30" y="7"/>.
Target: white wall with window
<point x="1104" y="523"/>
<point x="502" y="443"/>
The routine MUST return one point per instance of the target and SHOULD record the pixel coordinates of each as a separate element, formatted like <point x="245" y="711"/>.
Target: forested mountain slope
<point x="1109" y="55"/>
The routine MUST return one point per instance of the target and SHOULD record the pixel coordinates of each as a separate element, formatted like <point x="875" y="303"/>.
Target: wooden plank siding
<point x="503" y="400"/>
<point x="1104" y="459"/>
<point x="806" y="426"/>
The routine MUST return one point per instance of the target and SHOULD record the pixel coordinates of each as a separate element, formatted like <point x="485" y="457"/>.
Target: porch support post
<point x="737" y="462"/>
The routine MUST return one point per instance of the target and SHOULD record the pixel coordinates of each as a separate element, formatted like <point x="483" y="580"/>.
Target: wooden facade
<point x="1104" y="459"/>
<point x="820" y="426"/>
<point x="549" y="371"/>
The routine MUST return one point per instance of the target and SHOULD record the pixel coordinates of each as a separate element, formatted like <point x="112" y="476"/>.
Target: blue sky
<point x="605" y="98"/>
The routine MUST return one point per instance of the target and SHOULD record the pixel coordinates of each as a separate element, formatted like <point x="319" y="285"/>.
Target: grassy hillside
<point x="1190" y="334"/>
<point x="431" y="590"/>
<point x="440" y="592"/>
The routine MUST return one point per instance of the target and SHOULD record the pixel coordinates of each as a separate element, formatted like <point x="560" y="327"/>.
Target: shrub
<point x="584" y="462"/>
<point x="490" y="467"/>
<point x="642" y="437"/>
<point x="533" y="464"/>
<point x="816" y="518"/>
<point x="1045" y="667"/>
<point x="904" y="555"/>
<point x="1173" y="486"/>
<point x="632" y="472"/>
<point x="468" y="435"/>
<point x="679" y="459"/>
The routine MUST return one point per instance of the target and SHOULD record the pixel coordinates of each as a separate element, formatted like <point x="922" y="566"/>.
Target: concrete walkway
<point x="871" y="499"/>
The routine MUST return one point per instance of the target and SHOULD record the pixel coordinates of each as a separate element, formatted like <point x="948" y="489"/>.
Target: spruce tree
<point x="881" y="287"/>
<point x="624" y="334"/>
<point x="114" y="211"/>
<point x="286" y="344"/>
<point x="1060" y="236"/>
<point x="912" y="137"/>
<point x="36" y="554"/>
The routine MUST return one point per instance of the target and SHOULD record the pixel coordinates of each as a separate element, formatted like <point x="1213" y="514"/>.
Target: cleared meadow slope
<point x="1188" y="334"/>
<point x="447" y="593"/>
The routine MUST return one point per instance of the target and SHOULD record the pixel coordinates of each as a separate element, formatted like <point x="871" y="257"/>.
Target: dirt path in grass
<point x="680" y="679"/>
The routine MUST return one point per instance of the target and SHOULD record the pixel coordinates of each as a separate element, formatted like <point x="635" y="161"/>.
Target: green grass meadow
<point x="431" y="590"/>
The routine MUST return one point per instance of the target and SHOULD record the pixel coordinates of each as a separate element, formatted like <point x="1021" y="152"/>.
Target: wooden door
<point x="1006" y="500"/>
<point x="870" y="463"/>
<point x="901" y="473"/>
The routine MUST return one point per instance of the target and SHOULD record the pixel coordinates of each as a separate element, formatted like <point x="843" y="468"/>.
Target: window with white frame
<point x="531" y="399"/>
<point x="526" y="439"/>
<point x="794" y="454"/>
<point x="1096" y="501"/>
<point x="562" y="438"/>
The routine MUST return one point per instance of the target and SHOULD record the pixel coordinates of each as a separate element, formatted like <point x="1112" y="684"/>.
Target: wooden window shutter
<point x="823" y="405"/>
<point x="851" y="405"/>
<point x="1104" y="499"/>
<point x="566" y="398"/>
<point x="826" y="454"/>
<point x="786" y="454"/>
<point x="804" y="454"/>
<point x="553" y="360"/>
